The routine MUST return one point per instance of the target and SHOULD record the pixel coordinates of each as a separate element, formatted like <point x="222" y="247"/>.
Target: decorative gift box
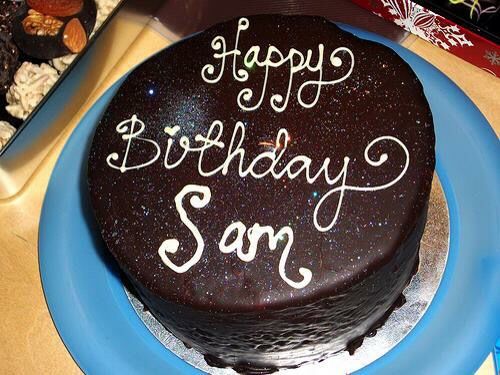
<point x="466" y="28"/>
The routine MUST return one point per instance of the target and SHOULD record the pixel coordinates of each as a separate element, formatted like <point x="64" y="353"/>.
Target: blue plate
<point x="104" y="335"/>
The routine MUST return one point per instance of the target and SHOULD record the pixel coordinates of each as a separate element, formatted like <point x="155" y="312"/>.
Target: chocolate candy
<point x="9" y="61"/>
<point x="52" y="28"/>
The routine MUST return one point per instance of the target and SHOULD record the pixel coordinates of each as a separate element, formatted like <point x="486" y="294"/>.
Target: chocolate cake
<point x="263" y="186"/>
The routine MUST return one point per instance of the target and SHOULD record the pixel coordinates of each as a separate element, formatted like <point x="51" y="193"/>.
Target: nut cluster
<point x="40" y="24"/>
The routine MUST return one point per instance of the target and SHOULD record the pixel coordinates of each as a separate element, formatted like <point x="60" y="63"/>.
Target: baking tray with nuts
<point x="39" y="41"/>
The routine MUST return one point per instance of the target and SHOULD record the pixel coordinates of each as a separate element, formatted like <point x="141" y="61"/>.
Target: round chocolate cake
<point x="263" y="186"/>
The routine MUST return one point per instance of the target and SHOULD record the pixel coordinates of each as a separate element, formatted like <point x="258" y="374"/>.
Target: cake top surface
<point x="264" y="162"/>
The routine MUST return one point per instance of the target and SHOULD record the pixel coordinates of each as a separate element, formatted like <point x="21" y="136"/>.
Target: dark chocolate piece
<point x="8" y="11"/>
<point x="9" y="61"/>
<point x="50" y="35"/>
<point x="336" y="283"/>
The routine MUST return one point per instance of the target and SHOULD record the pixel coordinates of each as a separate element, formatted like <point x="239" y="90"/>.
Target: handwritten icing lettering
<point x="200" y="198"/>
<point x="254" y="235"/>
<point x="300" y="166"/>
<point x="296" y="60"/>
<point x="133" y="133"/>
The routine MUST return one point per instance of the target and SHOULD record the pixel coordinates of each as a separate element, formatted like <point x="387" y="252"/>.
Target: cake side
<point x="265" y="340"/>
<point x="270" y="172"/>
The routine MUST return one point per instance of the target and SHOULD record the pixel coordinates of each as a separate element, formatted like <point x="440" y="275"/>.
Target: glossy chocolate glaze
<point x="239" y="313"/>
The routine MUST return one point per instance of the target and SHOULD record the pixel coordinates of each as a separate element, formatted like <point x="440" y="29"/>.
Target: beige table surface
<point x="29" y="343"/>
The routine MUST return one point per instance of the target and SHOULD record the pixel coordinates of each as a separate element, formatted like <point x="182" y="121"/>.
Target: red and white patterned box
<point x="439" y="31"/>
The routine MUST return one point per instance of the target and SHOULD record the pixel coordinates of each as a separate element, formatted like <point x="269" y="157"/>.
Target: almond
<point x="74" y="36"/>
<point x="58" y="8"/>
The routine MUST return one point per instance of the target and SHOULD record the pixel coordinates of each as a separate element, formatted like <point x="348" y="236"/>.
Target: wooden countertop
<point x="29" y="343"/>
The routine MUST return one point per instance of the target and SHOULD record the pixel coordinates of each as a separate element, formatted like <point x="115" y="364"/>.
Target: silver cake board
<point x="419" y="293"/>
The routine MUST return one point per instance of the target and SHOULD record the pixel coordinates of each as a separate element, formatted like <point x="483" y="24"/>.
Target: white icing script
<point x="170" y="246"/>
<point x="122" y="128"/>
<point x="298" y="166"/>
<point x="274" y="58"/>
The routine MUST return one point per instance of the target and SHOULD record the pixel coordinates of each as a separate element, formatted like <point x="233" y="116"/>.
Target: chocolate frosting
<point x="358" y="267"/>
